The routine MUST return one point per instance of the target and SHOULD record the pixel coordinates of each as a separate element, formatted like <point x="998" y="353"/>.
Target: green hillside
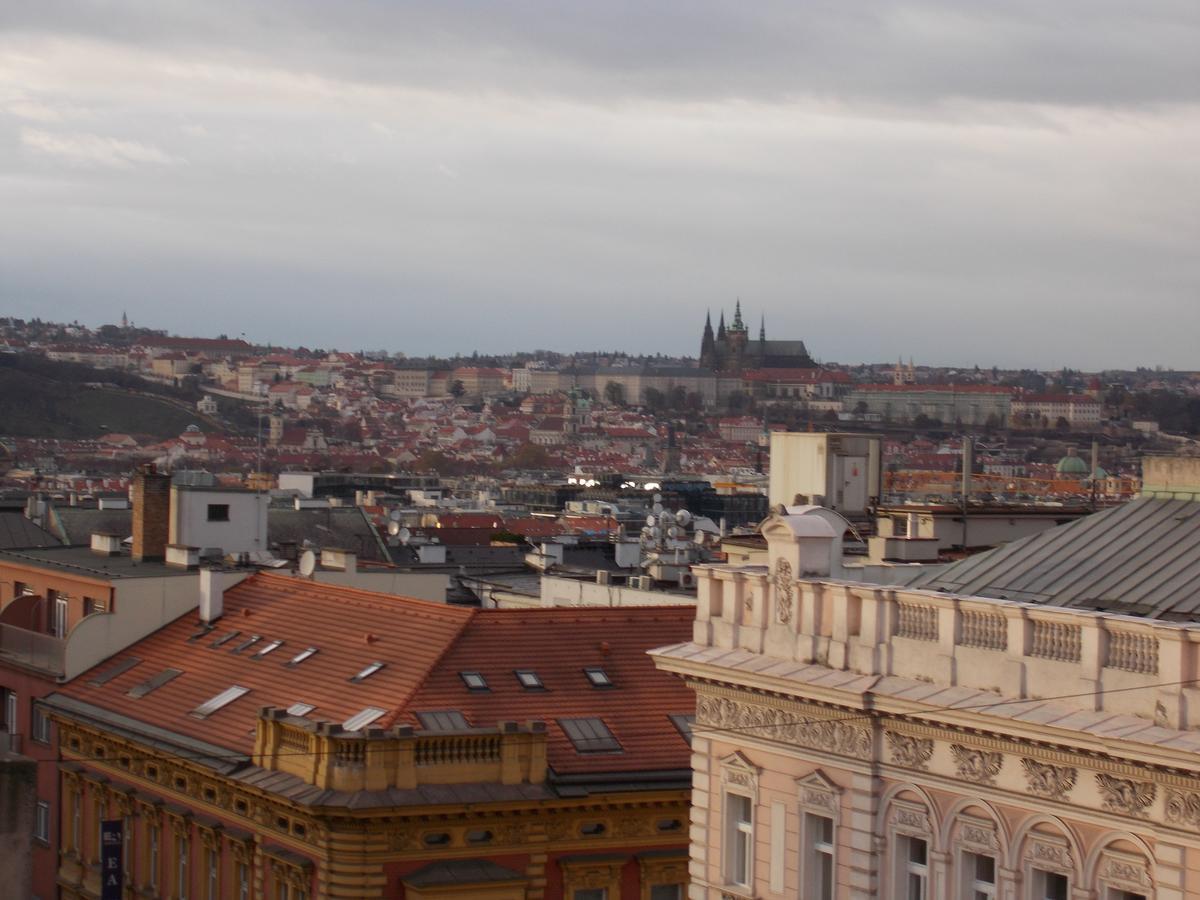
<point x="35" y="406"/>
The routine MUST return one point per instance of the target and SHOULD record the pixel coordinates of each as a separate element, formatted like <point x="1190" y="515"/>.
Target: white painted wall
<point x="246" y="529"/>
<point x="422" y="585"/>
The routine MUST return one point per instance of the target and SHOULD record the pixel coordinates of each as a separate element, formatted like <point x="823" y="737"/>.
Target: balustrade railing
<point x="916" y="621"/>
<point x="1057" y="641"/>
<point x="455" y="749"/>
<point x="987" y="630"/>
<point x="1132" y="652"/>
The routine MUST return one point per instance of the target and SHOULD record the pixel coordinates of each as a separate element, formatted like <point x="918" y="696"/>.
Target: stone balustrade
<point x="1122" y="664"/>
<point x="325" y="755"/>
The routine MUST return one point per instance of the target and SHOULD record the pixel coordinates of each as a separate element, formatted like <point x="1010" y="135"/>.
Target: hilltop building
<point x="730" y="349"/>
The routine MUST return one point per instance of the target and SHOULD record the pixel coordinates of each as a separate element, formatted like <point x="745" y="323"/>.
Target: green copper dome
<point x="1072" y="465"/>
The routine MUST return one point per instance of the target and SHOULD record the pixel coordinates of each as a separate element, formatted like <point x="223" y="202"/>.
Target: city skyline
<point x="918" y="179"/>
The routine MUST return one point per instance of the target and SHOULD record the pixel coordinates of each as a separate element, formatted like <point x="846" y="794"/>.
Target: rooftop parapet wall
<point x="374" y="759"/>
<point x="1119" y="664"/>
<point x="1173" y="477"/>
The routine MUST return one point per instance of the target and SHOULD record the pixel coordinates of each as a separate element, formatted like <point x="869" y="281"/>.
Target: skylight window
<point x="274" y="645"/>
<point x="598" y="677"/>
<point x="119" y="669"/>
<point x="300" y="709"/>
<point x="474" y="681"/>
<point x="684" y="723"/>
<point x="590" y="735"/>
<point x="227" y="696"/>
<point x="443" y="720"/>
<point x="224" y="639"/>
<point x="153" y="684"/>
<point x="249" y="642"/>
<point x="196" y="635"/>
<point x="363" y="719"/>
<point x="300" y="657"/>
<point x="529" y="680"/>
<point x="367" y="672"/>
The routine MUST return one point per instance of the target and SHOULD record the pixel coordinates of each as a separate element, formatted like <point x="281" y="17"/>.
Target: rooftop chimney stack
<point x="212" y="595"/>
<point x="151" y="491"/>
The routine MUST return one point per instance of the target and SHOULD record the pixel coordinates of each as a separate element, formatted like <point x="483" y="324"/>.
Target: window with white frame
<point x="10" y="711"/>
<point x="739" y="839"/>
<point x="912" y="854"/>
<point x="40" y="722"/>
<point x="212" y="860"/>
<point x="1050" y="885"/>
<point x="979" y="876"/>
<point x="41" y="822"/>
<point x="819" y="804"/>
<point x="818" y="857"/>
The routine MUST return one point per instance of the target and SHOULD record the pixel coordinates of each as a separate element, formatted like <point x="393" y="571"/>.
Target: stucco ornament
<point x="912" y="752"/>
<point x="976" y="766"/>
<point x="776" y="724"/>
<point x="1125" y="795"/>
<point x="783" y="590"/>
<point x="1045" y="780"/>
<point x="1183" y="808"/>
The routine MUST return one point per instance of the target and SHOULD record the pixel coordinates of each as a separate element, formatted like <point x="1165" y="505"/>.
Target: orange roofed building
<point x="300" y="740"/>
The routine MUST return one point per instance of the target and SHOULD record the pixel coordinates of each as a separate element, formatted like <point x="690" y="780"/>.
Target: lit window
<point x="529" y="680"/>
<point x="474" y="681"/>
<point x="363" y="719"/>
<point x="301" y="656"/>
<point x="818" y="862"/>
<point x="598" y="677"/>
<point x="590" y="735"/>
<point x="227" y="696"/>
<point x="979" y="876"/>
<point x="443" y="720"/>
<point x="367" y="672"/>
<point x="739" y="839"/>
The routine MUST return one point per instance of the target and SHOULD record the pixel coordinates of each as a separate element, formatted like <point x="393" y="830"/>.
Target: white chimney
<point x="180" y="556"/>
<point x="212" y="594"/>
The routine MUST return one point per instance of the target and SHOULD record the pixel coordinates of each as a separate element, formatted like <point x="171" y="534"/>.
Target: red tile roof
<point x="423" y="646"/>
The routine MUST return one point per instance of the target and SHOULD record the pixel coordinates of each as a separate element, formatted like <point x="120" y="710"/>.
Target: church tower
<point x="708" y="345"/>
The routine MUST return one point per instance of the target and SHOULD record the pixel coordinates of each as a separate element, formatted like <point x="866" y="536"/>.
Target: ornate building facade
<point x="310" y="741"/>
<point x="730" y="348"/>
<point x="858" y="741"/>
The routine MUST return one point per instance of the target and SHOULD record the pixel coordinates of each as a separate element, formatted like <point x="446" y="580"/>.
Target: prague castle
<point x="731" y="350"/>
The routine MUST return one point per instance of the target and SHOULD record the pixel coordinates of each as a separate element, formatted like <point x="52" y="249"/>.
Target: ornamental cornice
<point x="779" y="724"/>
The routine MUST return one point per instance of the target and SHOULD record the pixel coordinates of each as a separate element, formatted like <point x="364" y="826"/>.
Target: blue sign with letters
<point x="112" y="863"/>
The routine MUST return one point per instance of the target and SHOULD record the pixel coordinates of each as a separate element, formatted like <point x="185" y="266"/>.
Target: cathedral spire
<point x="708" y="345"/>
<point x="721" y="327"/>
<point x="738" y="324"/>
<point x="762" y="328"/>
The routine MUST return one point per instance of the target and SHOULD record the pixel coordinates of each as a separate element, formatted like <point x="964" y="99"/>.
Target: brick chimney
<point x="151" y="512"/>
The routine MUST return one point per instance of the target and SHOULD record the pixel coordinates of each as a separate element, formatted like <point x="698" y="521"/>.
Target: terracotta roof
<point x="424" y="646"/>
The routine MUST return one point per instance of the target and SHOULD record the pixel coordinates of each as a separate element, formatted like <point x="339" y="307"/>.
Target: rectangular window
<point x="41" y="822"/>
<point x="10" y="711"/>
<point x="1050" y="885"/>
<point x="979" y="876"/>
<point x="739" y="839"/>
<point x="218" y="512"/>
<point x="20" y="589"/>
<point x="98" y="834"/>
<point x="154" y="834"/>
<point x="92" y="605"/>
<point x="913" y="883"/>
<point x="212" y="879"/>
<point x="818" y="861"/>
<point x="182" y="849"/>
<point x="1118" y="894"/>
<point x="589" y="894"/>
<point x="666" y="892"/>
<point x="243" y="878"/>
<point x="77" y="822"/>
<point x="41" y="725"/>
<point x="62" y="607"/>
<point x="127" y="848"/>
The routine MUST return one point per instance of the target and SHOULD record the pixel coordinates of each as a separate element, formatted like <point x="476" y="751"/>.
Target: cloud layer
<point x="1005" y="183"/>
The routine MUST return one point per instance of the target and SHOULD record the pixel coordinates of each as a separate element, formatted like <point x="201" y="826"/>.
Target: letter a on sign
<point x="112" y="863"/>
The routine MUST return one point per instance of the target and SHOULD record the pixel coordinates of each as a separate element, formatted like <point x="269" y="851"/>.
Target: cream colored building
<point x="860" y="741"/>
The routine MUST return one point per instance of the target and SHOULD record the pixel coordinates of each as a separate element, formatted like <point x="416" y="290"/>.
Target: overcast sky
<point x="1011" y="183"/>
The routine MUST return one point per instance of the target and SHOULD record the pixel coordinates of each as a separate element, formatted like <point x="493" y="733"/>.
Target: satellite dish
<point x="404" y="534"/>
<point x="308" y="563"/>
<point x="656" y="508"/>
<point x="393" y="528"/>
<point x="657" y="498"/>
<point x="683" y="517"/>
<point x="656" y="532"/>
<point x="651" y="520"/>
<point x="394" y="515"/>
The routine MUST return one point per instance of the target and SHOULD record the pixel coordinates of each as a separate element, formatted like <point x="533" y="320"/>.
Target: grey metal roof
<point x="1142" y="558"/>
<point x="18" y="531"/>
<point x="327" y="527"/>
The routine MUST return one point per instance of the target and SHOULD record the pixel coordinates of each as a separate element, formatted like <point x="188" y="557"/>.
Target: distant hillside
<point x="33" y="405"/>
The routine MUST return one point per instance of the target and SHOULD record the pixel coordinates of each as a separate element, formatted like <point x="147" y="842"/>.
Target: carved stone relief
<point x="1183" y="808"/>
<point x="976" y="766"/>
<point x="911" y="752"/>
<point x="1124" y="795"/>
<point x="783" y="590"/>
<point x="1048" y="781"/>
<point x="790" y="728"/>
